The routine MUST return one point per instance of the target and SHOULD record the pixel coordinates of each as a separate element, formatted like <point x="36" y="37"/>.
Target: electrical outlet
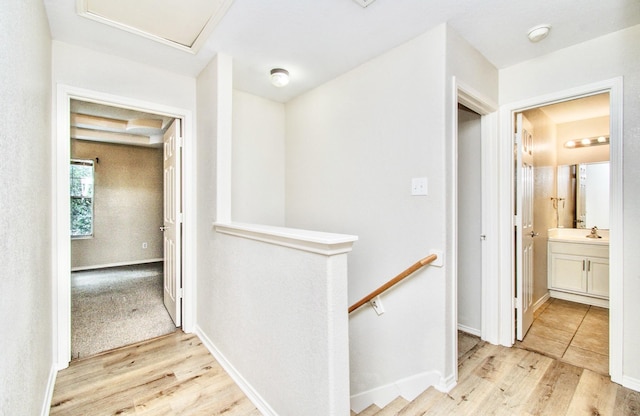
<point x="376" y="304"/>
<point x="145" y="245"/>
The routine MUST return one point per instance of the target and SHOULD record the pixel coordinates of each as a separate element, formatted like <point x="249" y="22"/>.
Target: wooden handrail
<point x="417" y="265"/>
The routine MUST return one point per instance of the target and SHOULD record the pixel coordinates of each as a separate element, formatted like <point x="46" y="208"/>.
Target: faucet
<point x="594" y="233"/>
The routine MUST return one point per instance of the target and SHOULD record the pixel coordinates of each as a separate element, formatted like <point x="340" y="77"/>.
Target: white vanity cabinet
<point x="579" y="272"/>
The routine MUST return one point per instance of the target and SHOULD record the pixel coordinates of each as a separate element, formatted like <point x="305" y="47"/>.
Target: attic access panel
<point x="184" y="25"/>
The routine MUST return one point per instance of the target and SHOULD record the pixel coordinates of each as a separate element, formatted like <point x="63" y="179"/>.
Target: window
<point x="81" y="192"/>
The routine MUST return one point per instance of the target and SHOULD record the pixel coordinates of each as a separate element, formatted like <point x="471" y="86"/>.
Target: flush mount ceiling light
<point x="279" y="77"/>
<point x="537" y="33"/>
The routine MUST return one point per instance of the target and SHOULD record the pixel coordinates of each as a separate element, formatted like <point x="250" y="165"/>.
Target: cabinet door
<point x="568" y="272"/>
<point x="598" y="276"/>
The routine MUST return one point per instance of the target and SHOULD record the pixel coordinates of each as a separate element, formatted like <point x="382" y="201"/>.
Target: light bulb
<point x="279" y="77"/>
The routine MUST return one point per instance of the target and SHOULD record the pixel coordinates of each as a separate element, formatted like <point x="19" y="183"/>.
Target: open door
<point x="525" y="233"/>
<point x="172" y="223"/>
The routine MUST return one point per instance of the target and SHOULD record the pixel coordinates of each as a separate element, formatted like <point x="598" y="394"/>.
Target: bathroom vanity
<point x="578" y="266"/>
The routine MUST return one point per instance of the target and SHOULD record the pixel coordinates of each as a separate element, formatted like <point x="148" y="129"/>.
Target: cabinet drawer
<point x="579" y="249"/>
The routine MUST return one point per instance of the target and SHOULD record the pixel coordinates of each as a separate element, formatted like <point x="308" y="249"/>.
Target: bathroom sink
<point x="578" y="235"/>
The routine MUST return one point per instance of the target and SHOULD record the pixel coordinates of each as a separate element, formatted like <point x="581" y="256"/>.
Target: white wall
<point x="85" y="74"/>
<point x="353" y="145"/>
<point x="83" y="68"/>
<point x="274" y="315"/>
<point x="478" y="79"/>
<point x="258" y="166"/>
<point x="26" y="357"/>
<point x="469" y="222"/>
<point x="603" y="58"/>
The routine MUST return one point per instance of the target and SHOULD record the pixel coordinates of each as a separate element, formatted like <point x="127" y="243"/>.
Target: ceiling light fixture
<point x="537" y="33"/>
<point x="279" y="77"/>
<point x="587" y="142"/>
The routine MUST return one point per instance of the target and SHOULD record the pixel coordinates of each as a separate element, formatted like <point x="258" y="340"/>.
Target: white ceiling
<point x="104" y="123"/>
<point x="319" y="40"/>
<point x="579" y="109"/>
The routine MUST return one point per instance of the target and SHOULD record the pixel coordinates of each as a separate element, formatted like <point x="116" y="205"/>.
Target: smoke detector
<point x="537" y="33"/>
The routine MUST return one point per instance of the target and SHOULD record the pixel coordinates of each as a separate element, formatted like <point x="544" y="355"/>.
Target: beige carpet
<point x="117" y="306"/>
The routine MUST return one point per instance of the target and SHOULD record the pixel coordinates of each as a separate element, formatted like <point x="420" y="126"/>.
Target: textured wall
<point x="258" y="160"/>
<point x="127" y="205"/>
<point x="25" y="199"/>
<point x="353" y="146"/>
<point x="602" y="58"/>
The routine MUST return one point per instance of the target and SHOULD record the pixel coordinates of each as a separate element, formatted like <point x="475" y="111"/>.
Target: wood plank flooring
<point x="176" y="375"/>
<point x="494" y="380"/>
<point x="170" y="375"/>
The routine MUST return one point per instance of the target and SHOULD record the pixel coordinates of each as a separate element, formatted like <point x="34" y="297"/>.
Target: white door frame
<point x="487" y="110"/>
<point x="503" y="173"/>
<point x="61" y="243"/>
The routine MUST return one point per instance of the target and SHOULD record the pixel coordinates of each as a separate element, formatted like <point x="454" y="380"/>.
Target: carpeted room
<point x="117" y="267"/>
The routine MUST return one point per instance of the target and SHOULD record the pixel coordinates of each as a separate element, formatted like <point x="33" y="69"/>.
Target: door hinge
<point x="516" y="138"/>
<point x="179" y="141"/>
<point x="179" y="218"/>
<point x="179" y="293"/>
<point x="517" y="304"/>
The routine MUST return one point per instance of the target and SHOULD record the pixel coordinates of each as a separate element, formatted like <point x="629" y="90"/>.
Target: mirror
<point x="583" y="195"/>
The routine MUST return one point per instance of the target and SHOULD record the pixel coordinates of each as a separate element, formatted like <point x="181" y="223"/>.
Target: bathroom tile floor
<point x="571" y="332"/>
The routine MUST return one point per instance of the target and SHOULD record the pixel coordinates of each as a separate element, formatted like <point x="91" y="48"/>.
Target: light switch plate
<point x="419" y="186"/>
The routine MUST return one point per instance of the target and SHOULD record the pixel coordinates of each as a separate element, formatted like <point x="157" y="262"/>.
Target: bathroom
<point x="571" y="222"/>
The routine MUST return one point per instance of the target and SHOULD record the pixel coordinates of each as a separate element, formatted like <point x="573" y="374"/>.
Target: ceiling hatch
<point x="184" y="25"/>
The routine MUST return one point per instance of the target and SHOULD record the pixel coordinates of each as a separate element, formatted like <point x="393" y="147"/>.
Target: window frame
<point x="82" y="162"/>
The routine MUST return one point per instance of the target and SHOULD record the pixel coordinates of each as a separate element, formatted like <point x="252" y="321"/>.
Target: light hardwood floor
<point x="170" y="375"/>
<point x="176" y="375"/>
<point x="494" y="380"/>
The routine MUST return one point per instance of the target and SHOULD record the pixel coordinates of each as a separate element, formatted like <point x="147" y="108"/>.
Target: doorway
<point x="475" y="127"/>
<point x="568" y="314"/>
<point x="614" y="88"/>
<point x="62" y="246"/>
<point x="469" y="222"/>
<point x="116" y="210"/>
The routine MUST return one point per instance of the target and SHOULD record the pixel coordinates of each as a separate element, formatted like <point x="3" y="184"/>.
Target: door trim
<point x="474" y="100"/>
<point x="61" y="243"/>
<point x="506" y="323"/>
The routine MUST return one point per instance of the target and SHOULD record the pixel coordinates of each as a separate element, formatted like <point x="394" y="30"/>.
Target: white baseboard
<point x="541" y="301"/>
<point x="587" y="300"/>
<point x="469" y="330"/>
<point x="631" y="383"/>
<point x="243" y="384"/>
<point x="51" y="383"/>
<point x="409" y="388"/>
<point x="122" y="263"/>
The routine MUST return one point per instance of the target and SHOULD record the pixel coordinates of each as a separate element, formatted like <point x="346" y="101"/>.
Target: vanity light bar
<point x="586" y="142"/>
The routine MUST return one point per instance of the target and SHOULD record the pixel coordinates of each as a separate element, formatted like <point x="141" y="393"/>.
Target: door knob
<point x="164" y="228"/>
<point x="533" y="234"/>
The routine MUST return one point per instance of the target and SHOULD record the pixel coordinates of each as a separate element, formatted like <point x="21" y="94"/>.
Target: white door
<point x="172" y="224"/>
<point x="524" y="227"/>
